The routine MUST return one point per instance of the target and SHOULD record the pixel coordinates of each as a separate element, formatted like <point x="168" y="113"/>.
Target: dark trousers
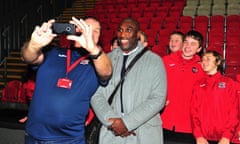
<point x="171" y="137"/>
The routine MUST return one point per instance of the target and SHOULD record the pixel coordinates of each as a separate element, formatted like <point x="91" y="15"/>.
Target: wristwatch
<point x="96" y="56"/>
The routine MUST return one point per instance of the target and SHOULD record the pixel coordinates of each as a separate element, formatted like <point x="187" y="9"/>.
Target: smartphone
<point x="64" y="28"/>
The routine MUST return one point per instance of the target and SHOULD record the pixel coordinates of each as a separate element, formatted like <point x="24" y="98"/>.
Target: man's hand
<point x="23" y="120"/>
<point x="118" y="127"/>
<point x="43" y="35"/>
<point x="86" y="38"/>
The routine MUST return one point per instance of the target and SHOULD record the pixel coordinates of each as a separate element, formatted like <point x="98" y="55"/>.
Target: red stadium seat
<point x="185" y="22"/>
<point x="170" y="23"/>
<point x="201" y="22"/>
<point x="232" y="71"/>
<point x="217" y="46"/>
<point x="156" y="23"/>
<point x="160" y="49"/>
<point x="217" y="21"/>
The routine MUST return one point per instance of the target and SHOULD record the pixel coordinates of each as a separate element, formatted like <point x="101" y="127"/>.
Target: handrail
<point x="4" y="73"/>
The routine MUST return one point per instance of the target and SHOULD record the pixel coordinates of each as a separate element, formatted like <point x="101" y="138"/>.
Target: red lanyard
<point x="69" y="66"/>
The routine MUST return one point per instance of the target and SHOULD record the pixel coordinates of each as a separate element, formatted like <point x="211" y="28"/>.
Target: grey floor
<point x="11" y="131"/>
<point x="11" y="136"/>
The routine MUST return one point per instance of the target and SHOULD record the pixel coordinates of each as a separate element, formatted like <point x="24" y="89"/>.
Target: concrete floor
<point x="11" y="136"/>
<point x="11" y="131"/>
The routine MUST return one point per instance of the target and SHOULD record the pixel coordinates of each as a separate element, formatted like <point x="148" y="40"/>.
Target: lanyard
<point x="71" y="67"/>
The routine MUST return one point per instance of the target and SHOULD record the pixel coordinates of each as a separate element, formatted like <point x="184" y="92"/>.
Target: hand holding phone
<point x="64" y="28"/>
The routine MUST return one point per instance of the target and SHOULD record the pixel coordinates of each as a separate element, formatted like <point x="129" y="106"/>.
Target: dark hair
<point x="133" y="20"/>
<point x="195" y="35"/>
<point x="113" y="40"/>
<point x="218" y="58"/>
<point x="178" y="33"/>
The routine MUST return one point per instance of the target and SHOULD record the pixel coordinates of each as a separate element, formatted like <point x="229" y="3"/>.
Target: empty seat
<point x="166" y="3"/>
<point x="205" y="2"/>
<point x="160" y="49"/>
<point x="232" y="54"/>
<point x="233" y="2"/>
<point x="179" y="3"/>
<point x="217" y="21"/>
<point x="185" y="22"/>
<point x="204" y="33"/>
<point x="131" y="5"/>
<point x="204" y="10"/>
<point x="154" y="3"/>
<point x="216" y="35"/>
<point x="192" y="3"/>
<point x="163" y="36"/>
<point x="162" y="9"/>
<point x="156" y="23"/>
<point x="233" y="48"/>
<point x="124" y="10"/>
<point x="142" y="5"/>
<point x="152" y="9"/>
<point x="217" y="46"/>
<point x="149" y="14"/>
<point x="170" y="23"/>
<point x="223" y="2"/>
<point x="219" y="9"/>
<point x="232" y="18"/>
<point x="151" y="34"/>
<point x="233" y="9"/>
<point x="201" y="22"/>
<point x="232" y="71"/>
<point x="136" y="15"/>
<point x="189" y="11"/>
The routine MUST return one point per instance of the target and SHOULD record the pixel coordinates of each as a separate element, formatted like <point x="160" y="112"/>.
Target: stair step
<point x="14" y="58"/>
<point x="19" y="77"/>
<point x="2" y="85"/>
<point x="15" y="53"/>
<point x="13" y="70"/>
<point x="17" y="64"/>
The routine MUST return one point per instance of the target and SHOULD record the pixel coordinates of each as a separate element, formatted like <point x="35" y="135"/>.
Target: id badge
<point x="64" y="83"/>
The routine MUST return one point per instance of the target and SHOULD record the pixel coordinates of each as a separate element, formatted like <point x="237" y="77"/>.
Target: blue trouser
<point x="31" y="140"/>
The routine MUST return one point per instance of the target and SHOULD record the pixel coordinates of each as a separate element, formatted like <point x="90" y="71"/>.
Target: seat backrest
<point x="14" y="92"/>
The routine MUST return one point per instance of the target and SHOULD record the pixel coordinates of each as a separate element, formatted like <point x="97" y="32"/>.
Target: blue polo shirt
<point x="55" y="112"/>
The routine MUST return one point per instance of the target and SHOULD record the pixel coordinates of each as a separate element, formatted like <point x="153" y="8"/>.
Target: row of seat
<point x="209" y="9"/>
<point x="220" y="32"/>
<point x="215" y="34"/>
<point x="139" y="3"/>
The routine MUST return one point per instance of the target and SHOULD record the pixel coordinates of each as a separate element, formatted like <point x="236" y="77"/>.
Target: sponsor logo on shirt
<point x="221" y="85"/>
<point x="84" y="62"/>
<point x="171" y="65"/>
<point x="194" y="70"/>
<point x="62" y="55"/>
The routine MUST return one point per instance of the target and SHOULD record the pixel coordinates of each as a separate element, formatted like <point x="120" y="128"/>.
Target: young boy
<point x="183" y="70"/>
<point x="214" y="109"/>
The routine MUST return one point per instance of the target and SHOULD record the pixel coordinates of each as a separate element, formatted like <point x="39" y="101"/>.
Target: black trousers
<point x="171" y="137"/>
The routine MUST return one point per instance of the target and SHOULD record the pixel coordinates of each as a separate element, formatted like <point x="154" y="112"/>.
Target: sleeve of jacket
<point x="101" y="106"/>
<point x="155" y="98"/>
<point x="195" y="104"/>
<point x="233" y="112"/>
